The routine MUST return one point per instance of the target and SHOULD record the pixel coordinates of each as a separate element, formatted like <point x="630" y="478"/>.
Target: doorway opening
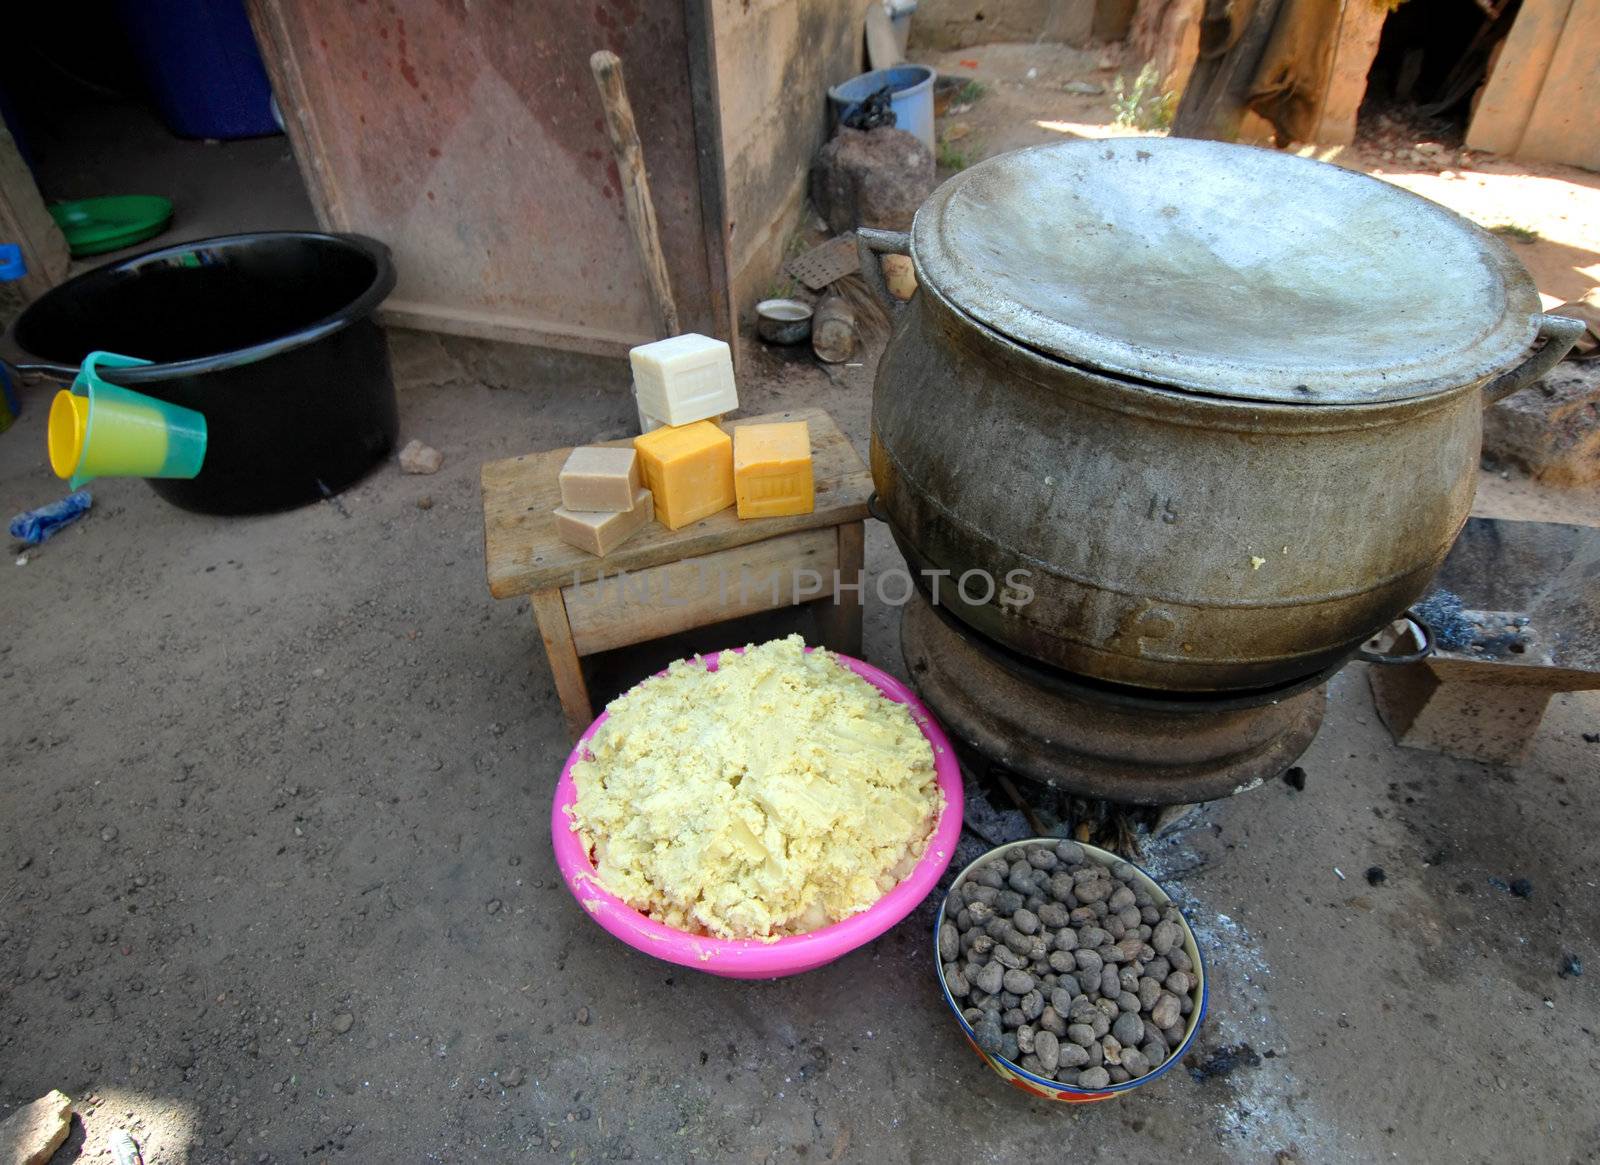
<point x="1433" y="58"/>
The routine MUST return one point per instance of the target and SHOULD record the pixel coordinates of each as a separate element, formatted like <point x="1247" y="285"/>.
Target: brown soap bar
<point x="601" y="533"/>
<point x="598" y="479"/>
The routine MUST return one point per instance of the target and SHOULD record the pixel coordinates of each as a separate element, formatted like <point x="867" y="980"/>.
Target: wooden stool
<point x="664" y="581"/>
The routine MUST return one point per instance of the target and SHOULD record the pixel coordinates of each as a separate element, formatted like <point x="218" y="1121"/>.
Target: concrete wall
<point x="959" y="24"/>
<point x="775" y="61"/>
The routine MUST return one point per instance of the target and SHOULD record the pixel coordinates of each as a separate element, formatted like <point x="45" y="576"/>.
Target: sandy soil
<point x="277" y="882"/>
<point x="1029" y="99"/>
<point x="278" y="886"/>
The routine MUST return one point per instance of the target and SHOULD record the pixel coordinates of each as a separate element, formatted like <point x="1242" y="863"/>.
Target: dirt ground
<point x="277" y="881"/>
<point x="278" y="886"/>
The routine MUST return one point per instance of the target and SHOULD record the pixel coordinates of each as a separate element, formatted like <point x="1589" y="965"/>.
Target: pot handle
<point x="871" y="242"/>
<point x="1424" y="634"/>
<point x="64" y="373"/>
<point x="1559" y="334"/>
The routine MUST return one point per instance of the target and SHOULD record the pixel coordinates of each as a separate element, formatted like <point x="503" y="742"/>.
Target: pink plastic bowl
<point x="751" y="958"/>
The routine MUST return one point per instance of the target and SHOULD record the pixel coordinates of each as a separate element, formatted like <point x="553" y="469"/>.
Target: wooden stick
<point x="625" y="145"/>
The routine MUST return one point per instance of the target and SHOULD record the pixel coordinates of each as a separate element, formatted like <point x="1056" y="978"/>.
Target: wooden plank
<point x="841" y="621"/>
<point x="523" y="554"/>
<point x="1561" y="126"/>
<point x="706" y="103"/>
<point x="617" y="611"/>
<point x="482" y="325"/>
<point x="1233" y="42"/>
<point x="26" y="221"/>
<point x="624" y="135"/>
<point x="272" y="21"/>
<point x="1516" y="76"/>
<point x="550" y="612"/>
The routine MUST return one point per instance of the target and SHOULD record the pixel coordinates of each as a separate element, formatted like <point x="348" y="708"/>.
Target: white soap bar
<point x="647" y="424"/>
<point x="683" y="380"/>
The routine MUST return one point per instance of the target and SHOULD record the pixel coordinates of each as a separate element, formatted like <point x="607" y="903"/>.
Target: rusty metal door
<point x="468" y="137"/>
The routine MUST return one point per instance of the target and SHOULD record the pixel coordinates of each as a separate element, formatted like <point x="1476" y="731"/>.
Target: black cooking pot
<point x="271" y="336"/>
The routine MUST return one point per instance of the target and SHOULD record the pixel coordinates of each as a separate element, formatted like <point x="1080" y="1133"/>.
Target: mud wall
<point x="959" y="24"/>
<point x="775" y="62"/>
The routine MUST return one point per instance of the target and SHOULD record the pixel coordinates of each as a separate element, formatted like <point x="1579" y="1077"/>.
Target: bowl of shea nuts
<point x="1071" y="972"/>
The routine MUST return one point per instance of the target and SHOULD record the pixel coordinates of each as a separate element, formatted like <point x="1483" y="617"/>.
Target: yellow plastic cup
<point x="69" y="420"/>
<point x="104" y="430"/>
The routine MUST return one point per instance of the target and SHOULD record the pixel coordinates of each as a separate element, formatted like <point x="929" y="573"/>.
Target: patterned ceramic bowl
<point x="1029" y="1082"/>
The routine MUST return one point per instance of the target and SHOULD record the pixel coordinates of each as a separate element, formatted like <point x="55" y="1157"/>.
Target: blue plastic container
<point x="910" y="96"/>
<point x="200" y="60"/>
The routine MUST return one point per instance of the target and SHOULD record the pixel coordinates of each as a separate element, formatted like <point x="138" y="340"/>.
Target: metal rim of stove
<point x="1083" y="688"/>
<point x="1147" y="755"/>
<point x="1070" y="684"/>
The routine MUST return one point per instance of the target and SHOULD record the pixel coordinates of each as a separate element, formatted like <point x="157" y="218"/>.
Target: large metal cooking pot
<point x="1220" y="406"/>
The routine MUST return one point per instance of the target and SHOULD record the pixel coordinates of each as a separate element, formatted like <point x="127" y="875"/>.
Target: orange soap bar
<point x="772" y="473"/>
<point x="689" y="469"/>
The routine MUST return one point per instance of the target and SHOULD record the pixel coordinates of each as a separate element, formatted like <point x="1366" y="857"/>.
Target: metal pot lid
<point x="1225" y="270"/>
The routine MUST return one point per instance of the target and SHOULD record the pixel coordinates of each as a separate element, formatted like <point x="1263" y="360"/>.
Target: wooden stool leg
<point x="841" y="621"/>
<point x="550" y="611"/>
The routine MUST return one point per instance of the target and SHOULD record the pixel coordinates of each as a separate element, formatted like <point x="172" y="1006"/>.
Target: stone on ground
<point x="1551" y="429"/>
<point x="419" y="458"/>
<point x="32" y="1134"/>
<point x="871" y="178"/>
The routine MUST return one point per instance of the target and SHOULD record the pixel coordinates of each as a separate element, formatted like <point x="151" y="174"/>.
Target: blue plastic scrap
<point x="12" y="264"/>
<point x="35" y="526"/>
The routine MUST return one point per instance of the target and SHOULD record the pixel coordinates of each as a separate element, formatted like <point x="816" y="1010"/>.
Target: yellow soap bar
<point x="689" y="469"/>
<point x="772" y="473"/>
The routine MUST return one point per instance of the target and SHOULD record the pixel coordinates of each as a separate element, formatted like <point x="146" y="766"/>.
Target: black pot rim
<point x="362" y="306"/>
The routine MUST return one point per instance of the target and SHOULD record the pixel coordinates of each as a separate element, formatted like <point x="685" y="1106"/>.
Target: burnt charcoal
<point x="1224" y="1061"/>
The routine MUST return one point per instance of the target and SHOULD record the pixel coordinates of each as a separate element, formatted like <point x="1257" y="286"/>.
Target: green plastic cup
<point x="129" y="434"/>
